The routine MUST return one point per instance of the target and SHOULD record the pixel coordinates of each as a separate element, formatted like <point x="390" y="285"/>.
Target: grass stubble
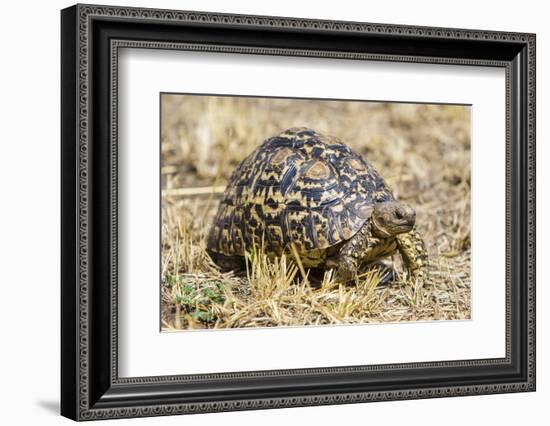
<point x="421" y="150"/>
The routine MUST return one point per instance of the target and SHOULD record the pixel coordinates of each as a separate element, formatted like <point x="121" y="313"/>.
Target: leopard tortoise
<point x="311" y="191"/>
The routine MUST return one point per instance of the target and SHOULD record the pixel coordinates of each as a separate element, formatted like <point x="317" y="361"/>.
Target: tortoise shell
<point x="297" y="187"/>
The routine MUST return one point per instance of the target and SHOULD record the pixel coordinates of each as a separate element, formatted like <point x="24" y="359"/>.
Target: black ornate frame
<point x="91" y="37"/>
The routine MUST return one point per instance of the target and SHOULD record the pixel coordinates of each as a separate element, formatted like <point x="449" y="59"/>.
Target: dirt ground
<point x="421" y="150"/>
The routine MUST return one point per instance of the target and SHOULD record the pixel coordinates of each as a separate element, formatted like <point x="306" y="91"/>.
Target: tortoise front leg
<point x="414" y="254"/>
<point x="350" y="254"/>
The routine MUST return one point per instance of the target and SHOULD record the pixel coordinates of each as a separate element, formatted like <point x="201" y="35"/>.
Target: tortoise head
<point x="391" y="218"/>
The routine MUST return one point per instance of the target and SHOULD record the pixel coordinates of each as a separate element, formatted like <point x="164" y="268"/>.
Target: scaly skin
<point x="351" y="254"/>
<point x="356" y="251"/>
<point x="414" y="254"/>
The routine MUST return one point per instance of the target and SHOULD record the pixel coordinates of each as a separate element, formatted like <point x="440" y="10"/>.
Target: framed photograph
<point x="263" y="212"/>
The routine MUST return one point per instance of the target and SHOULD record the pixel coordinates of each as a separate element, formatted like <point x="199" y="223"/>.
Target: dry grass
<point x="423" y="152"/>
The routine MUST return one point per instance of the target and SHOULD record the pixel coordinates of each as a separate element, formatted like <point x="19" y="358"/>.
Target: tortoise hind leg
<point x="227" y="263"/>
<point x="414" y="254"/>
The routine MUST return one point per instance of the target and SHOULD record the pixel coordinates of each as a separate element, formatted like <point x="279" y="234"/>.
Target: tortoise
<point x="303" y="189"/>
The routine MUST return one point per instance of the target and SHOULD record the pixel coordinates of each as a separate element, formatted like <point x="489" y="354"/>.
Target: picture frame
<point x="91" y="37"/>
